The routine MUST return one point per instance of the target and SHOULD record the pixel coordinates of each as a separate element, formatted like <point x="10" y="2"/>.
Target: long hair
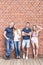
<point x="15" y="29"/>
<point x="35" y="27"/>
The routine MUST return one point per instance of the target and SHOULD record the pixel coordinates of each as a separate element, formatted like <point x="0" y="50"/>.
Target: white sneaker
<point x="19" y="57"/>
<point x="26" y="57"/>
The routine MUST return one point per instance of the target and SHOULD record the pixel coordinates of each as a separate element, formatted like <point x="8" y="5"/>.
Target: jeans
<point x="17" y="47"/>
<point x="9" y="47"/>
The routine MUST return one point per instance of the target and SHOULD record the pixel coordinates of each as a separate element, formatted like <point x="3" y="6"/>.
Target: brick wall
<point x="20" y="11"/>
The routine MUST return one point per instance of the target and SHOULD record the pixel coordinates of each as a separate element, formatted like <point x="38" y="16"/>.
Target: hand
<point x="41" y="28"/>
<point x="7" y="38"/>
<point x="23" y="33"/>
<point x="26" y="33"/>
<point x="38" y="25"/>
<point x="19" y="38"/>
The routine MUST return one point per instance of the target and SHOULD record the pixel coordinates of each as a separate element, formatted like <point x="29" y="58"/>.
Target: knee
<point x="12" y="48"/>
<point x="37" y="48"/>
<point x="33" y="47"/>
<point x="22" y="48"/>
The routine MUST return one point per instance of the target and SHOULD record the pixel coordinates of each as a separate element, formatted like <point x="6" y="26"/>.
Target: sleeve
<point x="30" y="30"/>
<point x="23" y="30"/>
<point x="6" y="29"/>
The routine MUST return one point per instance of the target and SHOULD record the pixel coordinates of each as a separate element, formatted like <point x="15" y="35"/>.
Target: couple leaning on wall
<point x="13" y="39"/>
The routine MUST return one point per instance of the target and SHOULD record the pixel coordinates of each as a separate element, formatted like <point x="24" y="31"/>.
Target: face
<point x="15" y="26"/>
<point x="27" y="25"/>
<point x="34" y="28"/>
<point x="11" y="25"/>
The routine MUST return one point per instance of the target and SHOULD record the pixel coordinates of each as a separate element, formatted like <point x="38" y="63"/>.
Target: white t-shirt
<point x="17" y="35"/>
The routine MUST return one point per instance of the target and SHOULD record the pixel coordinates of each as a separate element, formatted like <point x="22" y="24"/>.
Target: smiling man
<point x="8" y="34"/>
<point x="26" y="33"/>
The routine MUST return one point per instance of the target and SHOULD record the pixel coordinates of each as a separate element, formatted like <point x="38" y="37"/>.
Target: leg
<point x="23" y="48"/>
<point x="19" y="45"/>
<point x="27" y="53"/>
<point x="11" y="44"/>
<point x="33" y="48"/>
<point x="7" y="47"/>
<point x="16" y="47"/>
<point x="28" y="46"/>
<point x="36" y="49"/>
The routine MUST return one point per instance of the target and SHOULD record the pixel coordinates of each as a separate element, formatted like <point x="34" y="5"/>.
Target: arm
<point x="29" y="33"/>
<point x="5" y="35"/>
<point x="23" y="33"/>
<point x="39" y="28"/>
<point x="13" y="33"/>
<point x="19" y="32"/>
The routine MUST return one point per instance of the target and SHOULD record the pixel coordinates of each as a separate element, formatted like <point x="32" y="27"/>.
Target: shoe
<point x="19" y="57"/>
<point x="6" y="57"/>
<point x="26" y="57"/>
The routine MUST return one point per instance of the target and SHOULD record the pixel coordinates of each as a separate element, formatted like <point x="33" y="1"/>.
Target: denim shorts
<point x="26" y="43"/>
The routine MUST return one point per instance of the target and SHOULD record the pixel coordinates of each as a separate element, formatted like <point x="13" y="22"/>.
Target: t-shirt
<point x="17" y="35"/>
<point x="9" y="32"/>
<point x="26" y="31"/>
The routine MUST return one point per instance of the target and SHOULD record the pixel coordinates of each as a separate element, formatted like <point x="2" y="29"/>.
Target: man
<point x="26" y="33"/>
<point x="8" y="34"/>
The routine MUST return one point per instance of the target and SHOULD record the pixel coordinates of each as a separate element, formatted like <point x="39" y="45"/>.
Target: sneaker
<point x="19" y="57"/>
<point x="26" y="57"/>
<point x="6" y="57"/>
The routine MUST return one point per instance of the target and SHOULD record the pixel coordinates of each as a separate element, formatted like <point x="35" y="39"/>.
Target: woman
<point x="17" y="37"/>
<point x="35" y="31"/>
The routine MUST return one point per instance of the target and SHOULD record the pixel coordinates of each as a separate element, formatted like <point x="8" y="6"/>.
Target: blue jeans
<point x="17" y="47"/>
<point x="9" y="47"/>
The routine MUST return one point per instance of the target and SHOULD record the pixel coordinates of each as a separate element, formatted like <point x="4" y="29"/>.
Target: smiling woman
<point x="20" y="12"/>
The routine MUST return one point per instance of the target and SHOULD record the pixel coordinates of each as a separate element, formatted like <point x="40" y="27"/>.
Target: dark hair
<point x="35" y="27"/>
<point x="28" y="22"/>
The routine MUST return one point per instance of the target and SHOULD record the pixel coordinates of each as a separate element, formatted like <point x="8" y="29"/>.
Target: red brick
<point x="20" y="11"/>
